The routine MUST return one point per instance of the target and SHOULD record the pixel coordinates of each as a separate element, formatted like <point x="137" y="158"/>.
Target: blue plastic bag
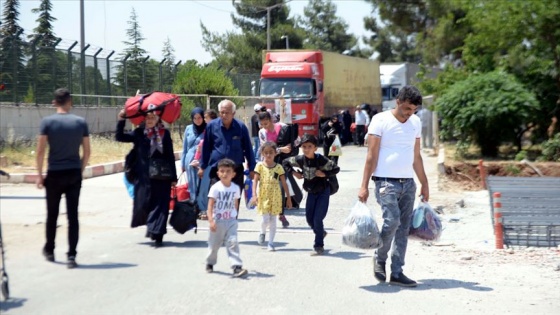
<point x="129" y="187"/>
<point x="425" y="225"/>
<point x="248" y="191"/>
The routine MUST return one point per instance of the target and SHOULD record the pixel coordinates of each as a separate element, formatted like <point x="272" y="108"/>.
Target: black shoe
<point x="149" y="235"/>
<point x="209" y="268"/>
<point x="284" y="221"/>
<point x="239" y="272"/>
<point x="325" y="234"/>
<point x="48" y="256"/>
<point x="158" y="243"/>
<point x="379" y="271"/>
<point x="318" y="251"/>
<point x="402" y="280"/>
<point x="71" y="262"/>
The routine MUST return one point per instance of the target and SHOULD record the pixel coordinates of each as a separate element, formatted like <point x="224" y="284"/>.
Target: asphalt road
<point x="121" y="273"/>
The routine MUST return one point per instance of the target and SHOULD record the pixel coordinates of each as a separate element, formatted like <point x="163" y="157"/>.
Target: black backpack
<point x="130" y="166"/>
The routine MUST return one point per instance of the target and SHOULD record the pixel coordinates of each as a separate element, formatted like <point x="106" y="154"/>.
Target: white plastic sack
<point x="425" y="224"/>
<point x="360" y="229"/>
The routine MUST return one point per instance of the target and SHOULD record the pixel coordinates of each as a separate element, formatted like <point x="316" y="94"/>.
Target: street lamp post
<point x="287" y="41"/>
<point x="267" y="18"/>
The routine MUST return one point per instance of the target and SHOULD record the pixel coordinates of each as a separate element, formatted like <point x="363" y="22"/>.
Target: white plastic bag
<point x="336" y="147"/>
<point x="360" y="229"/>
<point x="425" y="224"/>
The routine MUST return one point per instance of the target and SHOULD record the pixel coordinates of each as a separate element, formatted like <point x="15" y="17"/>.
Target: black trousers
<point x="360" y="134"/>
<point x="69" y="183"/>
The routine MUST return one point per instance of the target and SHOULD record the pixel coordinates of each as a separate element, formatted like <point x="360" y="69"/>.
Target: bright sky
<point x="106" y="22"/>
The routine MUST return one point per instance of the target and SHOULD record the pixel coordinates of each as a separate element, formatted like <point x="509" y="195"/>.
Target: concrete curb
<point x="89" y="172"/>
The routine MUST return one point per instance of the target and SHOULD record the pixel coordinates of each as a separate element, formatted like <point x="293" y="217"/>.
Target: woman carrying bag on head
<point x="155" y="173"/>
<point x="331" y="129"/>
<point x="194" y="133"/>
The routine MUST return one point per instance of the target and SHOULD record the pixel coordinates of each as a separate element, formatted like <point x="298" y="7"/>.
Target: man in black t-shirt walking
<point x="64" y="133"/>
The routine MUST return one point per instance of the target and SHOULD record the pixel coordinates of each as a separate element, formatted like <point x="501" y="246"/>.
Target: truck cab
<point x="298" y="76"/>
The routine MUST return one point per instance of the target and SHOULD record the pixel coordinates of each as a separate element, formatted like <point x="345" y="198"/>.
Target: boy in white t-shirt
<point x="223" y="199"/>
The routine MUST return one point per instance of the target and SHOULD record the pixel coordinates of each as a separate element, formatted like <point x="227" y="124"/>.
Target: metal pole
<point x="161" y="74"/>
<point x="109" y="73"/>
<point x="82" y="50"/>
<point x="144" y="73"/>
<point x="83" y="72"/>
<point x="125" y="74"/>
<point x="70" y="65"/>
<point x="54" y="62"/>
<point x="95" y="83"/>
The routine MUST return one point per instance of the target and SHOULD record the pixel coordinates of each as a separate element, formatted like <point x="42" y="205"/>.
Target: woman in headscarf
<point x="194" y="133"/>
<point x="331" y="129"/>
<point x="346" y="123"/>
<point x="152" y="189"/>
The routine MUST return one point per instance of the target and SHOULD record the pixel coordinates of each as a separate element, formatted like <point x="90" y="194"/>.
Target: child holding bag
<point x="269" y="197"/>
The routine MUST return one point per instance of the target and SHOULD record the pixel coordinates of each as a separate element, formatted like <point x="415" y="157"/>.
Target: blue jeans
<point x="256" y="146"/>
<point x="316" y="208"/>
<point x="396" y="197"/>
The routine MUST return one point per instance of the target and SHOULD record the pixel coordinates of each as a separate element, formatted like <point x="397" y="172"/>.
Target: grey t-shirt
<point x="65" y="133"/>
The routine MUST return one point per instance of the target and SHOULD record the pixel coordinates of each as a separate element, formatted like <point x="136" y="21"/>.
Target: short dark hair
<point x="268" y="144"/>
<point x="62" y="96"/>
<point x="265" y="115"/>
<point x="411" y="94"/>
<point x="307" y="138"/>
<point x="212" y="113"/>
<point x="226" y="163"/>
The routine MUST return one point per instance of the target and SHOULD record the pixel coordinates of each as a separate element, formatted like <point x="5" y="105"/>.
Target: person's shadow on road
<point x="428" y="284"/>
<point x="347" y="255"/>
<point x="11" y="303"/>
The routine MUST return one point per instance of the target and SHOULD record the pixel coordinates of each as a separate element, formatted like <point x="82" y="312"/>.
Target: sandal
<point x="202" y="216"/>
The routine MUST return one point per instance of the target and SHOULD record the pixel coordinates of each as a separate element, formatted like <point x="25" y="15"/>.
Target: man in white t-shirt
<point x="393" y="158"/>
<point x="362" y="121"/>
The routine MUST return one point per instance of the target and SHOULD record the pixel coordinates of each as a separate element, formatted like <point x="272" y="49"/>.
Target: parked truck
<point x="396" y="75"/>
<point x="318" y="83"/>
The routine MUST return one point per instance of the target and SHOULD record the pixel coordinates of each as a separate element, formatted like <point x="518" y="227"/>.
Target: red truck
<point x="318" y="83"/>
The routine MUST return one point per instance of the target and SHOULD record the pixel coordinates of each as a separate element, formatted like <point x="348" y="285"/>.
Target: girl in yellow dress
<point x="269" y="197"/>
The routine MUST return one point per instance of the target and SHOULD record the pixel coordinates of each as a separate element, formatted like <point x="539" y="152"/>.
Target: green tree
<point x="12" y="69"/>
<point x="244" y="50"/>
<point x="193" y="78"/>
<point x="44" y="24"/>
<point x="427" y="31"/>
<point x="140" y="73"/>
<point x="324" y="29"/>
<point x="524" y="38"/>
<point x="167" y="68"/>
<point x="487" y="109"/>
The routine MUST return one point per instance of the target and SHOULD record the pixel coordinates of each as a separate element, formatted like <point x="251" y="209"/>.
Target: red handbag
<point x="183" y="188"/>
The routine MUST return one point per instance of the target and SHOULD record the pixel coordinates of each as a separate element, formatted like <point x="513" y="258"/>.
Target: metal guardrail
<point x="530" y="208"/>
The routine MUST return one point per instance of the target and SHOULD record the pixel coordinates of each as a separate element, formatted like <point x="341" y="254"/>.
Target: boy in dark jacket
<point x="315" y="171"/>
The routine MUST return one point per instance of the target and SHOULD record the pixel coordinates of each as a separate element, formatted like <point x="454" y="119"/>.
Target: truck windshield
<point x="293" y="88"/>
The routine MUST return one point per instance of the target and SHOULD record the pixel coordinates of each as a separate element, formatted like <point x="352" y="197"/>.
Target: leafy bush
<point x="521" y="155"/>
<point x="486" y="109"/>
<point x="551" y="149"/>
<point x="194" y="78"/>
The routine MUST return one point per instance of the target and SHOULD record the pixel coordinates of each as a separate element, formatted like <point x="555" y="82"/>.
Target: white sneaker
<point x="261" y="239"/>
<point x="271" y="248"/>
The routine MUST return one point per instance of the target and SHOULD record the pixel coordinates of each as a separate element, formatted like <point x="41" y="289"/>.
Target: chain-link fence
<point x="29" y="73"/>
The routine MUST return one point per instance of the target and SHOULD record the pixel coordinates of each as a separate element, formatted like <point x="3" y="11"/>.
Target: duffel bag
<point x="165" y="105"/>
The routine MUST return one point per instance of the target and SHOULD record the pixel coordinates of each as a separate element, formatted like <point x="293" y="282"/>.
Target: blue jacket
<point x="233" y="143"/>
